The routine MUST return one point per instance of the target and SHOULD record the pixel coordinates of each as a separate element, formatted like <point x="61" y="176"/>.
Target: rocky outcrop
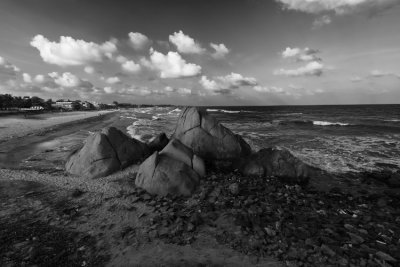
<point x="279" y="163"/>
<point x="104" y="153"/>
<point x="207" y="137"/>
<point x="158" y="143"/>
<point x="161" y="175"/>
<point x="176" y="150"/>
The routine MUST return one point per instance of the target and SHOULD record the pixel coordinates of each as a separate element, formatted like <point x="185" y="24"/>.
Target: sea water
<point x="335" y="138"/>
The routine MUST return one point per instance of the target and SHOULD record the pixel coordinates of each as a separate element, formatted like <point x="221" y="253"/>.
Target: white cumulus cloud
<point x="224" y="84"/>
<point x="131" y="67"/>
<point x="27" y="78"/>
<point x="113" y="80"/>
<point x="89" y="69"/>
<point x="339" y="7"/>
<point x="220" y="50"/>
<point x="66" y="79"/>
<point x="185" y="44"/>
<point x="313" y="68"/>
<point x="171" y="65"/>
<point x="306" y="54"/>
<point x="71" y="52"/>
<point x="138" y="40"/>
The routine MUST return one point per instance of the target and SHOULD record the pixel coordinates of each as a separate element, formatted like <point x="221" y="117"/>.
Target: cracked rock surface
<point x="161" y="175"/>
<point x="104" y="153"/>
<point x="207" y="137"/>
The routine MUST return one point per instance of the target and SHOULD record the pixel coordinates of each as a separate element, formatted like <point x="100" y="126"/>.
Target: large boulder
<point x="175" y="149"/>
<point x="277" y="162"/>
<point x="158" y="143"/>
<point x="105" y="152"/>
<point x="162" y="175"/>
<point x="207" y="137"/>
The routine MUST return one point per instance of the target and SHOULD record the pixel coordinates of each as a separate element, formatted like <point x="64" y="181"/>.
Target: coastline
<point x="109" y="221"/>
<point x="13" y="126"/>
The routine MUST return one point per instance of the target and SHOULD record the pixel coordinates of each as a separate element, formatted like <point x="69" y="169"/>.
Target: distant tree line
<point x="8" y="101"/>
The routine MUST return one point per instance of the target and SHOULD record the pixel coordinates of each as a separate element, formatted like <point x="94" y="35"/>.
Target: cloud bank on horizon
<point x="200" y="67"/>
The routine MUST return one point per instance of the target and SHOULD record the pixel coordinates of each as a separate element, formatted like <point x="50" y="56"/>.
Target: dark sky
<point x="278" y="52"/>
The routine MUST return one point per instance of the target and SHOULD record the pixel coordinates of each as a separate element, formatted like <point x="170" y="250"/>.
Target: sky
<point x="201" y="52"/>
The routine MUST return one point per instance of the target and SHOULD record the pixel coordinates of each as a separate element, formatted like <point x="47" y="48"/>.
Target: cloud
<point x="66" y="79"/>
<point x="113" y="80"/>
<point x="134" y="90"/>
<point x="71" y="52"/>
<point x="181" y="91"/>
<point x="339" y="7"/>
<point x="138" y="41"/>
<point x="39" y="78"/>
<point x="110" y="90"/>
<point x="171" y="65"/>
<point x="131" y="67"/>
<point x="89" y="70"/>
<point x="379" y="74"/>
<point x="268" y="89"/>
<point x="27" y="78"/>
<point x="306" y="54"/>
<point x="185" y="44"/>
<point x="322" y="21"/>
<point x="8" y="69"/>
<point x="313" y="68"/>
<point x="356" y="79"/>
<point x="220" y="50"/>
<point x="224" y="84"/>
<point x="121" y="59"/>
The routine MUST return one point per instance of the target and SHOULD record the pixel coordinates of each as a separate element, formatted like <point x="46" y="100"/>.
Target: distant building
<point x="62" y="104"/>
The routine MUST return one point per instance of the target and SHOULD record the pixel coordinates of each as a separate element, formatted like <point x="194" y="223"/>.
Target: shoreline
<point x="109" y="221"/>
<point x="17" y="126"/>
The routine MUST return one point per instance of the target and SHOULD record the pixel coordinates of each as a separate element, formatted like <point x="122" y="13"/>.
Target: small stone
<point x="234" y="189"/>
<point x="382" y="203"/>
<point x="356" y="239"/>
<point x="385" y="257"/>
<point x="327" y="250"/>
<point x="269" y="231"/>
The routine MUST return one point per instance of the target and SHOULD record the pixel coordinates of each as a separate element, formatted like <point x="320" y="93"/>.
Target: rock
<point x="385" y="257"/>
<point x="234" y="189"/>
<point x="356" y="239"/>
<point x="176" y="150"/>
<point x="162" y="175"/>
<point x="207" y="137"/>
<point x="158" y="143"/>
<point x="104" y="153"/>
<point x="327" y="250"/>
<point x="277" y="162"/>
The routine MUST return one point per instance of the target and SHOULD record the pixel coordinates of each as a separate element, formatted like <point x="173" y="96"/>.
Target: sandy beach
<point x="18" y="126"/>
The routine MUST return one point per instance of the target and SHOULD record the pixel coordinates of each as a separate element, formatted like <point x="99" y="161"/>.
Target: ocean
<point x="339" y="139"/>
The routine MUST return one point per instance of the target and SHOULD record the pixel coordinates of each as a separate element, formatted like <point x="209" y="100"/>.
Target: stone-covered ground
<point x="230" y="221"/>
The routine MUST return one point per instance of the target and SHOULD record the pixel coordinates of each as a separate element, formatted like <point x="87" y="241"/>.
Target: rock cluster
<point x="104" y="153"/>
<point x="207" y="137"/>
<point x="277" y="162"/>
<point x="299" y="226"/>
<point x="175" y="166"/>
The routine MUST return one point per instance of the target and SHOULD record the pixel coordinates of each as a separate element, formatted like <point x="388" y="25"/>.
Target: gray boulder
<point x="158" y="143"/>
<point x="277" y="162"/>
<point x="176" y="150"/>
<point x="104" y="153"/>
<point x="162" y="175"/>
<point x="207" y="137"/>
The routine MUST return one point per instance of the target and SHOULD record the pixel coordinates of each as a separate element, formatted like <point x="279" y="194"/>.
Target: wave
<point x="393" y="120"/>
<point x="223" y="110"/>
<point x="327" y="123"/>
<point x="177" y="110"/>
